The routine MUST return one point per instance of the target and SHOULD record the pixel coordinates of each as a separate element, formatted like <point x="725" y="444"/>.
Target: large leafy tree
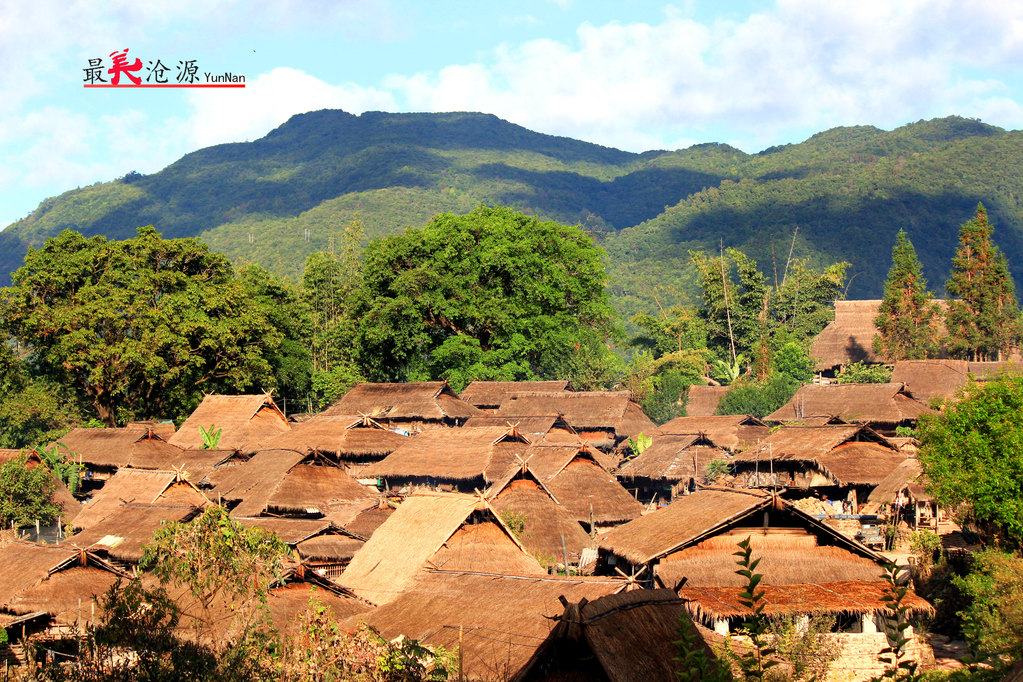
<point x="33" y="409"/>
<point x="138" y="327"/>
<point x="972" y="452"/>
<point x="493" y="294"/>
<point x="26" y="493"/>
<point x="983" y="320"/>
<point x="906" y="321"/>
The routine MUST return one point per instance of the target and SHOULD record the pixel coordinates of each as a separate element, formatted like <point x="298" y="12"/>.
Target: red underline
<point x="169" y="85"/>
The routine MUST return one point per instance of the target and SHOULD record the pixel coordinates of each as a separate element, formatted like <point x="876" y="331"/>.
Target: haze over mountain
<point x="847" y="190"/>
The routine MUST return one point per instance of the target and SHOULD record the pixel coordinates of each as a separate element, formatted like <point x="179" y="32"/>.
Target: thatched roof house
<point x="547" y="529"/>
<point x="602" y="418"/>
<point x="733" y="432"/>
<point x="465" y="458"/>
<point x="703" y="400"/>
<point x="548" y="428"/>
<point x="106" y="449"/>
<point x="690" y="544"/>
<point x="883" y="406"/>
<point x="287" y="603"/>
<point x="348" y="438"/>
<point x="488" y="395"/>
<point x="409" y="406"/>
<point x="240" y="418"/>
<point x="139" y="486"/>
<point x="584" y="486"/>
<point x="504" y="620"/>
<point x="319" y="544"/>
<point x="122" y="533"/>
<point x="437" y="530"/>
<point x="620" y="637"/>
<point x="672" y="465"/>
<point x="927" y="380"/>
<point x="849" y="337"/>
<point x="815" y="456"/>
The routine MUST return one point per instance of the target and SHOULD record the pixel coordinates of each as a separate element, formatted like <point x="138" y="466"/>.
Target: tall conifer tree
<point x="983" y="322"/>
<point x="907" y="319"/>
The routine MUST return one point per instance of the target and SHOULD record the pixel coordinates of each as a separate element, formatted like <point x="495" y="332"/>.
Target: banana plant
<point x="210" y="438"/>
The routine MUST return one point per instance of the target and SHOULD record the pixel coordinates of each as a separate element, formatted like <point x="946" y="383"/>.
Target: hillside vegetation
<point x="847" y="190"/>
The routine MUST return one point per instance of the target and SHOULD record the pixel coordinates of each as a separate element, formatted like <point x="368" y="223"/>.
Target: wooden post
<point x="564" y="552"/>
<point x="461" y="675"/>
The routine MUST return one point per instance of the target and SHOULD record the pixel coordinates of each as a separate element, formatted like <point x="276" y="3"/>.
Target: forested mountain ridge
<point x="848" y="190"/>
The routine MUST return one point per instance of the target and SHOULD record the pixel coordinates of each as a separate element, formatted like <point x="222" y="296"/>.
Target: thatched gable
<point x="469" y="458"/>
<point x="287" y="604"/>
<point x="550" y="428"/>
<point x="163" y="428"/>
<point x="604" y="417"/>
<point x="732" y="432"/>
<point x="619" y="637"/>
<point x="504" y="620"/>
<point x="426" y="528"/>
<point x="414" y="403"/>
<point x="366" y="522"/>
<point x="884" y="405"/>
<point x="139" y="486"/>
<point x="121" y="534"/>
<point x="907" y="477"/>
<point x="703" y="400"/>
<point x="673" y="458"/>
<point x="582" y="484"/>
<point x="346" y="437"/>
<point x="111" y="448"/>
<point x="240" y="418"/>
<point x="849" y="337"/>
<point x="488" y="395"/>
<point x="927" y="380"/>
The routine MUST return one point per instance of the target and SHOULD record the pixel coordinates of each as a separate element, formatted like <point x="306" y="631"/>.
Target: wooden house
<point x="703" y="400"/>
<point x="409" y="407"/>
<point x="883" y="407"/>
<point x="601" y="418"/>
<point x="241" y="419"/>
<point x="488" y="395"/>
<point x="902" y="494"/>
<point x="733" y="432"/>
<point x="836" y="460"/>
<point x="580" y="479"/>
<point x="464" y="459"/>
<point x="807" y="567"/>
<point x="499" y="623"/>
<point x="139" y="487"/>
<point x="448" y="531"/>
<point x="674" y="464"/>
<point x="120" y="535"/>
<point x="320" y="545"/>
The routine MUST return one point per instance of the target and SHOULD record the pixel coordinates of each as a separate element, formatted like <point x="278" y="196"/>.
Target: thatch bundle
<point x="241" y="419"/>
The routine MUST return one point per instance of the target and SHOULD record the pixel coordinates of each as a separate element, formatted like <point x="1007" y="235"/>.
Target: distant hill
<point x="848" y="190"/>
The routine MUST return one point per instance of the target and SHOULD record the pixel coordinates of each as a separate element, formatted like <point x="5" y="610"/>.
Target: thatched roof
<point x="326" y="490"/>
<point x="193" y="464"/>
<point x="544" y="522"/>
<point x="125" y="530"/>
<point x="114" y="447"/>
<point x="61" y="595"/>
<point x="504" y="619"/>
<point x="7" y="454"/>
<point x="900" y="478"/>
<point x="683" y="522"/>
<point x="614" y="411"/>
<point x="581" y="484"/>
<point x="290" y="531"/>
<point x="928" y="379"/>
<point x="632" y="635"/>
<point x="732" y="431"/>
<point x="241" y="419"/>
<point x="809" y="442"/>
<point x="849" y="337"/>
<point x="862" y="403"/>
<point x="287" y="604"/>
<point x="428" y="401"/>
<point x="422" y="527"/>
<point x="253" y="482"/>
<point x="333" y="548"/>
<point x="138" y="486"/>
<point x="673" y="458"/>
<point x="703" y="400"/>
<point x="457" y="455"/>
<point x="549" y="428"/>
<point x="788" y="556"/>
<point x="162" y="428"/>
<point x="345" y="436"/>
<point x="844" y="597"/>
<point x="366" y="522"/>
<point x="489" y="395"/>
<point x="24" y="564"/>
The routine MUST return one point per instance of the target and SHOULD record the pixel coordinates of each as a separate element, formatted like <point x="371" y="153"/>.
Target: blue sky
<point x="636" y="75"/>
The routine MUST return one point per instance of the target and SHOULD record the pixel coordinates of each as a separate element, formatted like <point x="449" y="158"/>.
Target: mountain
<point x="840" y="195"/>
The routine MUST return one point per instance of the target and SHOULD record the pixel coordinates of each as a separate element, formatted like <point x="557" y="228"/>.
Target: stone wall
<point x="859" y="658"/>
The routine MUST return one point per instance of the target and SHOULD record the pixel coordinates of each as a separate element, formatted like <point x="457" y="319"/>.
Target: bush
<point x="862" y="373"/>
<point x="758" y="400"/>
<point x="993" y="622"/>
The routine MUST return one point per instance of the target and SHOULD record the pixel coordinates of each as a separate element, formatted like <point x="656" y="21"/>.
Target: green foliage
<point x="515" y="521"/>
<point x="993" y="621"/>
<point x="908" y="316"/>
<point x="25" y="494"/>
<point x="972" y="452"/>
<point x="33" y="409"/>
<point x="792" y="360"/>
<point x="62" y="465"/>
<point x="716" y="468"/>
<point x="490" y="293"/>
<point x="640" y="443"/>
<point x="329" y="385"/>
<point x="728" y="372"/>
<point x="754" y="664"/>
<point x="758" y="399"/>
<point x="696" y="663"/>
<point x="862" y="373"/>
<point x="897" y="617"/>
<point x="210" y="438"/>
<point x="805" y="646"/>
<point x="924" y="544"/>
<point x="983" y="321"/>
<point x="138" y="326"/>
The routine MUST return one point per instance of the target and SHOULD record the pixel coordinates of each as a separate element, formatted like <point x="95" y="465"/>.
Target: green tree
<point x="25" y="494"/>
<point x="490" y="294"/>
<point x="907" y="319"/>
<point x="972" y="453"/>
<point x="993" y="619"/>
<point x="862" y="373"/>
<point x="33" y="409"/>
<point x="758" y="398"/>
<point x="983" y="320"/>
<point x="138" y="327"/>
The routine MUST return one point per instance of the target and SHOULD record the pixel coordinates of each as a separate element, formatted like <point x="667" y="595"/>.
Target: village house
<point x="703" y="400"/>
<point x="239" y="419"/>
<point x="883" y="407"/>
<point x="733" y="432"/>
<point x="673" y="465"/>
<point x="407" y="408"/>
<point x="488" y="395"/>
